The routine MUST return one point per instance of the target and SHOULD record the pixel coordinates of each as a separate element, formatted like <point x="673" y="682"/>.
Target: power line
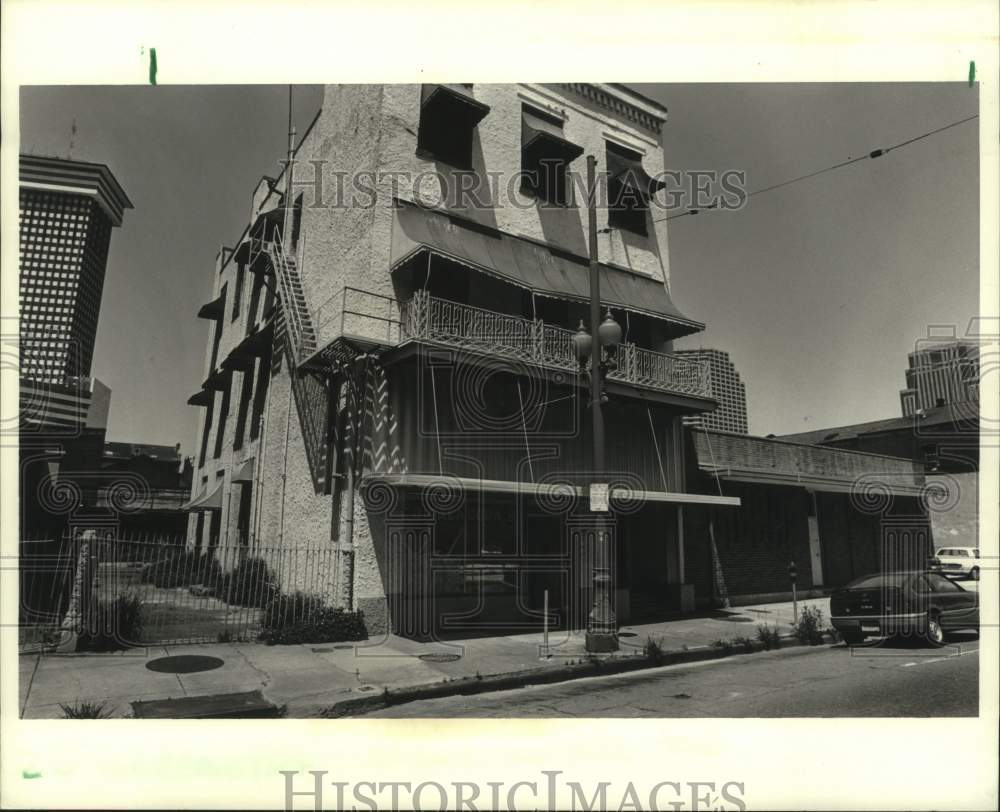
<point x="877" y="153"/>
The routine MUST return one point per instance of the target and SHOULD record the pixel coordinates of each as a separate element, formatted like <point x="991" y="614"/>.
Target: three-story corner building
<point x="390" y="371"/>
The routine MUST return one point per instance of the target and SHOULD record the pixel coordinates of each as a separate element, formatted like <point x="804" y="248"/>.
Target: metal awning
<point x="253" y="346"/>
<point x="245" y="472"/>
<point x="529" y="265"/>
<point x="452" y="105"/>
<point x="218" y="380"/>
<point x="549" y="490"/>
<point x="896" y="484"/>
<point x="211" y="310"/>
<point x="211" y="500"/>
<point x="625" y="167"/>
<point x="542" y="137"/>
<point x="203" y="397"/>
<point x="772" y="461"/>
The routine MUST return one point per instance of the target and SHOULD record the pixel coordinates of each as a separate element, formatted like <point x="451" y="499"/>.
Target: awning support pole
<point x="656" y="445"/>
<point x="524" y="429"/>
<point x="437" y="424"/>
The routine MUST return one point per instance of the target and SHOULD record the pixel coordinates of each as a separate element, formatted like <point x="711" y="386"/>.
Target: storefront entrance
<point x="490" y="563"/>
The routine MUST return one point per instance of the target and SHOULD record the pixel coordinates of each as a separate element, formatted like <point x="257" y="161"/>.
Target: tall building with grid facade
<point x="67" y="211"/>
<point x="727" y="388"/>
<point x="941" y="373"/>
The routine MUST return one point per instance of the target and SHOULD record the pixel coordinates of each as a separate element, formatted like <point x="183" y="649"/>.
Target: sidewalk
<point x="309" y="679"/>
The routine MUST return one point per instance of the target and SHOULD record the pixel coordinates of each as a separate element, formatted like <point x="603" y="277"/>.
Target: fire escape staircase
<point x="294" y="333"/>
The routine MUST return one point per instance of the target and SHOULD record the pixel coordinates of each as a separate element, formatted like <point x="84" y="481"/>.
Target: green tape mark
<point x="30" y="774"/>
<point x="152" y="66"/>
<point x="972" y="72"/>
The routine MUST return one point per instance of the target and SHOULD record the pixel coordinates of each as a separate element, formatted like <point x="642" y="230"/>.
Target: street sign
<point x="599" y="497"/>
<point x="792" y="571"/>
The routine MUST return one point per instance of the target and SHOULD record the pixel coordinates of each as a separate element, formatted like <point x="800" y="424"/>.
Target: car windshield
<point x="880" y="579"/>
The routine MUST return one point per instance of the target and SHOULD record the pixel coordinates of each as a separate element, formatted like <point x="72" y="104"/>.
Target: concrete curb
<point x="596" y="667"/>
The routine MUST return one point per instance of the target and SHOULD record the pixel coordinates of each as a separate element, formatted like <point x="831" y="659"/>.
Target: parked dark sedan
<point x="924" y="604"/>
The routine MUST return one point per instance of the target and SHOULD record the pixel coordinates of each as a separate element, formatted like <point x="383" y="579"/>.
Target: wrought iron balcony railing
<point x="459" y="325"/>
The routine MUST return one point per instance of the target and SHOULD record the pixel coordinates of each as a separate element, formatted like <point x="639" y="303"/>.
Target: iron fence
<point x="179" y="593"/>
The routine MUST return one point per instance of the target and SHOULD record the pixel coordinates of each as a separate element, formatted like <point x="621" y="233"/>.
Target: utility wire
<point x="878" y="153"/>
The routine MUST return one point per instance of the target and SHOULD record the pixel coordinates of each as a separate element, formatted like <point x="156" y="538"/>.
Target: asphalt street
<point x="884" y="679"/>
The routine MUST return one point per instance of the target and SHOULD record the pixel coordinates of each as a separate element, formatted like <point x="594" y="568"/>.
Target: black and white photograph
<point x="662" y="402"/>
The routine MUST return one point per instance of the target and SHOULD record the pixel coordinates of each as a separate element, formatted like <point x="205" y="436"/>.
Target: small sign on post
<point x="599" y="497"/>
<point x="793" y="574"/>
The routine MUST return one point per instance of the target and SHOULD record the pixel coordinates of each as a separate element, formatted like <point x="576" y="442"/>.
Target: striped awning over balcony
<point x="538" y="268"/>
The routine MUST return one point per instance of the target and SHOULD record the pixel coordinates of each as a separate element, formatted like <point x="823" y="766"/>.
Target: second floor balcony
<point x="375" y="320"/>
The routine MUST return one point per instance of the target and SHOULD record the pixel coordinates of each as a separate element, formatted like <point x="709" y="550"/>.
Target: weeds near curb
<point x="808" y="629"/>
<point x="724" y="646"/>
<point x="769" y="636"/>
<point x="87" y="710"/>
<point x="744" y="643"/>
<point x="653" y="650"/>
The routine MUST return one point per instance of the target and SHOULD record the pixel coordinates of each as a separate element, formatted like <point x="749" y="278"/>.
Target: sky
<point x="817" y="290"/>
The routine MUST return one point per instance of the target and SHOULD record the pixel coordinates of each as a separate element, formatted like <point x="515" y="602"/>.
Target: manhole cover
<point x="184" y="664"/>
<point x="440" y="658"/>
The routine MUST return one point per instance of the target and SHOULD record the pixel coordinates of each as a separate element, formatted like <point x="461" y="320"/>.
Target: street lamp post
<point x="602" y="628"/>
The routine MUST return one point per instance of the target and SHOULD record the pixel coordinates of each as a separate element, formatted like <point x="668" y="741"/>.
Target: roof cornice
<point x="624" y="103"/>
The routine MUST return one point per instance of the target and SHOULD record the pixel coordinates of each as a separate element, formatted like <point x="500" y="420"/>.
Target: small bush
<point x="809" y="628"/>
<point x="87" y="710"/>
<point x="113" y="625"/>
<point x="251" y="583"/>
<point x="300" y="618"/>
<point x="284" y="610"/>
<point x="653" y="650"/>
<point x="769" y="636"/>
<point x="744" y="643"/>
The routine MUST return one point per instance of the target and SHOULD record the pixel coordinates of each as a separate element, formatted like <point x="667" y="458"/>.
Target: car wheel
<point x="935" y="634"/>
<point x="974" y="573"/>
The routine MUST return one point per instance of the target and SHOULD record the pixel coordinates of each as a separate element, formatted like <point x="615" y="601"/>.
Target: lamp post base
<point x="601" y="642"/>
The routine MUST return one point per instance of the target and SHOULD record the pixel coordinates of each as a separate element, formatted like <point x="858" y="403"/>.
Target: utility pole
<point x="602" y="629"/>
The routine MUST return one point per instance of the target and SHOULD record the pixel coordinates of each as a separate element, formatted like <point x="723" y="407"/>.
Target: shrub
<point x="744" y="643"/>
<point x="284" y="610"/>
<point x="113" y="625"/>
<point x="300" y="618"/>
<point x="251" y="583"/>
<point x="769" y="636"/>
<point x="809" y="628"/>
<point x="87" y="710"/>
